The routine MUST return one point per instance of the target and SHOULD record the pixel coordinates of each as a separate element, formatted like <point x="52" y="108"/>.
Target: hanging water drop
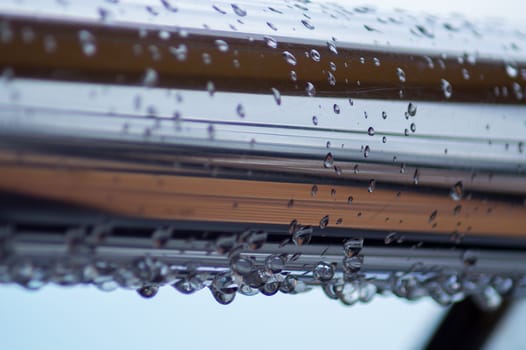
<point x="323" y="272"/>
<point x="148" y="291"/>
<point x="275" y="263"/>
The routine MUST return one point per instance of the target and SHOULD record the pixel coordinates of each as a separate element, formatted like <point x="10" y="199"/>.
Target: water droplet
<point x="50" y="44"/>
<point x="384" y="139"/>
<point x="307" y="24"/>
<point x="465" y="74"/>
<point x="332" y="47"/>
<point x="457" y="191"/>
<point x="314" y="191"/>
<point x="290" y="58"/>
<point x="314" y="120"/>
<point x="275" y="263"/>
<point x="150" y="77"/>
<point x="350" y="199"/>
<point x="180" y="52"/>
<point x="221" y="297"/>
<point x="256" y="239"/>
<point x="148" y="291"/>
<point x="446" y="87"/>
<point x="390" y="238"/>
<point x="289" y="284"/>
<point x="301" y="235"/>
<point x="293" y="75"/>
<point x="331" y="79"/>
<point x="315" y="55"/>
<point x="277" y="96"/>
<point x="87" y="42"/>
<point x="336" y="108"/>
<point x="169" y="6"/>
<point x="270" y="288"/>
<point x="310" y="89"/>
<point x="376" y="62"/>
<point x="215" y="7"/>
<point x="210" y="87"/>
<point x="245" y="289"/>
<point x="207" y="59"/>
<point x="411" y="109"/>
<point x="511" y="70"/>
<point x="517" y="90"/>
<point x="369" y="28"/>
<point x="366" y="151"/>
<point x="469" y="258"/>
<point x="221" y="45"/>
<point x="323" y="272"/>
<point x="416" y="177"/>
<point x="328" y="161"/>
<point x="225" y="244"/>
<point x="372" y="186"/>
<point x="161" y="236"/>
<point x="271" y="42"/>
<point x="420" y="29"/>
<point x="351" y="102"/>
<point x="333" y="193"/>
<point x="352" y="264"/>
<point x="164" y="35"/>
<point x="239" y="11"/>
<point x="241" y="264"/>
<point x="353" y="246"/>
<point x="433" y="216"/>
<point x="324" y="221"/>
<point x="240" y="110"/>
<point x="370" y="131"/>
<point x="401" y="75"/>
<point x="413" y="127"/>
<point x="272" y="26"/>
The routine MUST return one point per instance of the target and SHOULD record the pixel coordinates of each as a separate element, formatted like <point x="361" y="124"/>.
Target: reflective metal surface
<point x="316" y="122"/>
